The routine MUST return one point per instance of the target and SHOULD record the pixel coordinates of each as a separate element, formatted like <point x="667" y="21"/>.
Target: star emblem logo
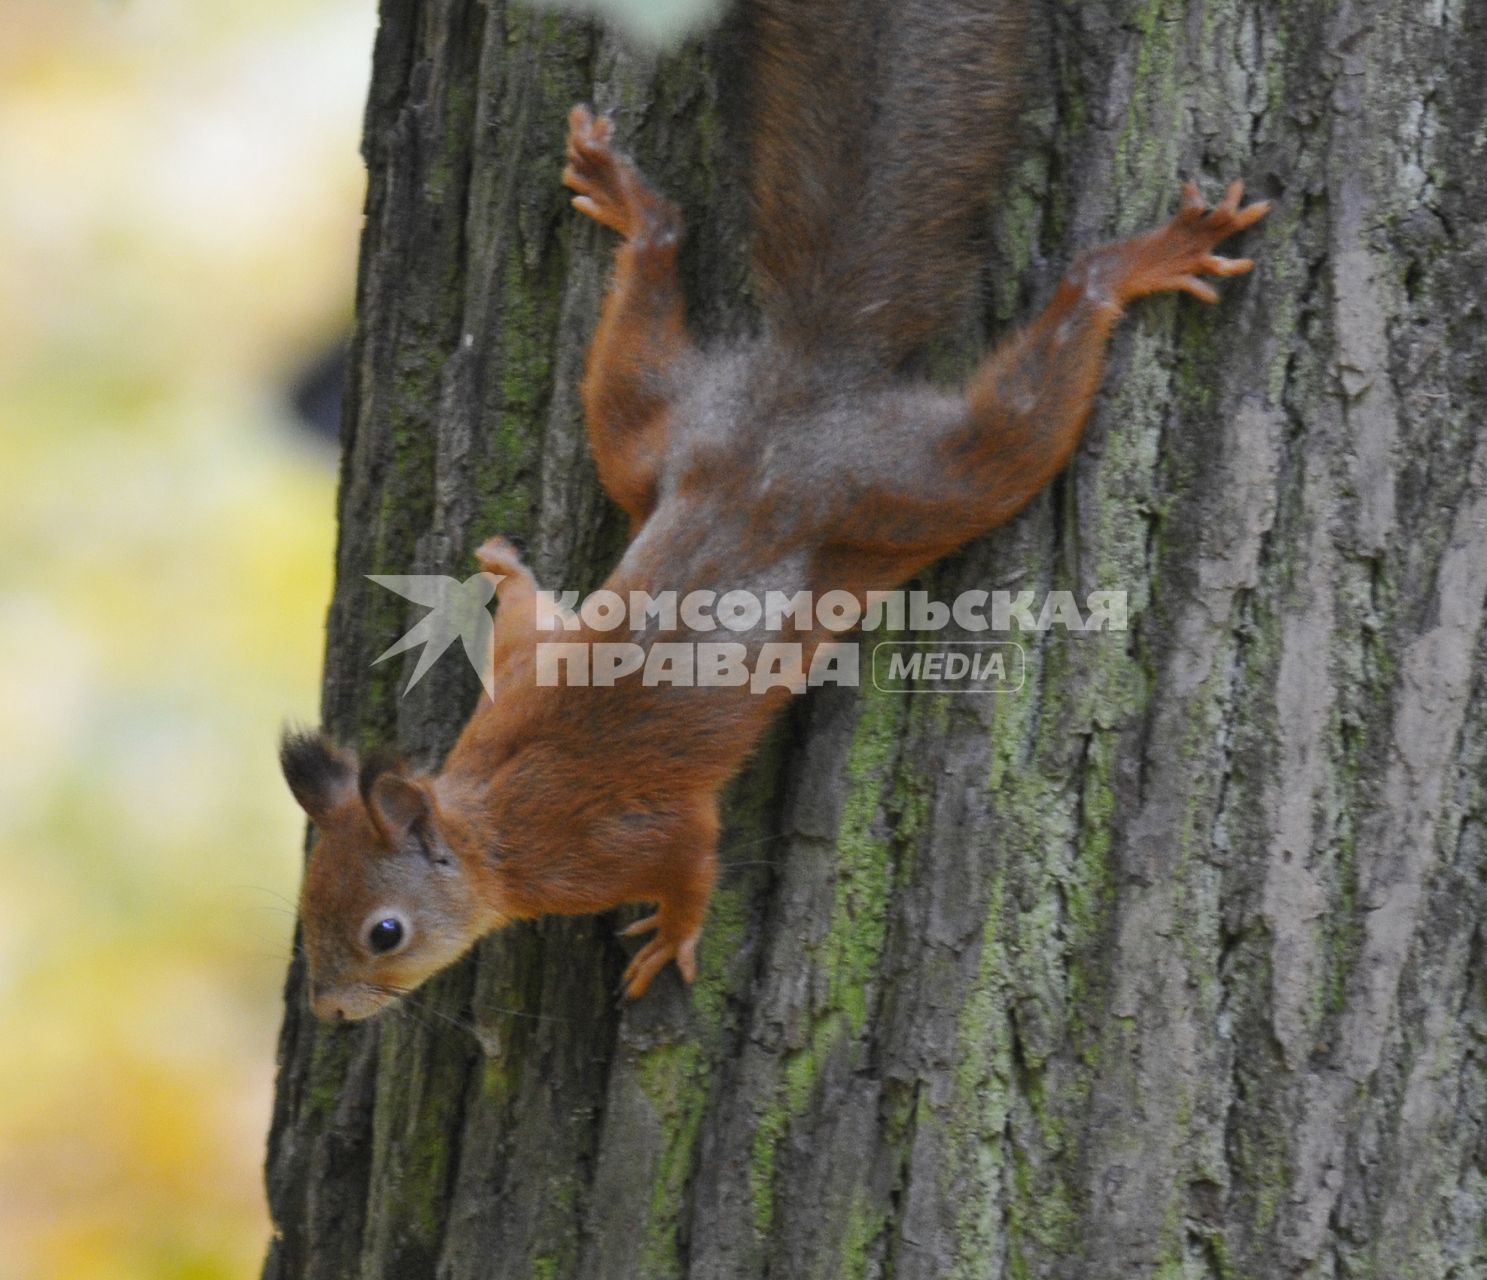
<point x="457" y="611"/>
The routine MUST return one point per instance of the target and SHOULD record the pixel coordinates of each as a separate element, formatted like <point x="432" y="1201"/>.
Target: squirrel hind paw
<point x="1176" y="257"/>
<point x="655" y="956"/>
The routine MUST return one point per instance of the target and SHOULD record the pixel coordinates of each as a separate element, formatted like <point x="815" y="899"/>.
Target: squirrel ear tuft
<point x="318" y="772"/>
<point x="374" y="764"/>
<point x="396" y="802"/>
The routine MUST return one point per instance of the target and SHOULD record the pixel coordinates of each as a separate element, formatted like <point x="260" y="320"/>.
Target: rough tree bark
<point x="1169" y="965"/>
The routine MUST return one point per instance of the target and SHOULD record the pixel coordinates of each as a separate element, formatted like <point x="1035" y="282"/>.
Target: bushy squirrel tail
<point x="878" y="130"/>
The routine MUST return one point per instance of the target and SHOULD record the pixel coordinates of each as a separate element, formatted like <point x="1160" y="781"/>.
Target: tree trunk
<point x="1167" y="965"/>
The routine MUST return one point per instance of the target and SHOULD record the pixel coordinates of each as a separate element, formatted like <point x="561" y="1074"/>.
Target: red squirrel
<point x="801" y="459"/>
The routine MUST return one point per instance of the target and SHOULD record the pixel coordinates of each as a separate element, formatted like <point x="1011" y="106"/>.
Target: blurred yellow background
<point x="180" y="199"/>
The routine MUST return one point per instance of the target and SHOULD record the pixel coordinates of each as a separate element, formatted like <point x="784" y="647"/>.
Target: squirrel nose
<point x="323" y="1007"/>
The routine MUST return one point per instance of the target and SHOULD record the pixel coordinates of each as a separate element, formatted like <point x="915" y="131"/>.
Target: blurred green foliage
<point x="179" y="219"/>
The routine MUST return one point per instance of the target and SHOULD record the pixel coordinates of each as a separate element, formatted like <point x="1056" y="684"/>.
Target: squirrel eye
<point x="385" y="935"/>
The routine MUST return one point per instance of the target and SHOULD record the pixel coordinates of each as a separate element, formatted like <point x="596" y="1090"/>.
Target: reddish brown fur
<point x="793" y="462"/>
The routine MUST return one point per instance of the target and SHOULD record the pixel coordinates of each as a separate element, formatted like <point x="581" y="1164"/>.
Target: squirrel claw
<point x="1176" y="257"/>
<point x="1217" y="266"/>
<point x="582" y="120"/>
<point x="655" y="956"/>
<point x="608" y="188"/>
<point x="1200" y="289"/>
<point x="648" y="925"/>
<point x="595" y="172"/>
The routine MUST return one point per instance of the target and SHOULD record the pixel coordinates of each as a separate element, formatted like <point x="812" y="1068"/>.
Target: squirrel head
<point x="386" y="902"/>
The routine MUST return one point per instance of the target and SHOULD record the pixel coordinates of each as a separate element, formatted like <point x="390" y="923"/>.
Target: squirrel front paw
<point x="1177" y="256"/>
<point x="668" y="945"/>
<point x="500" y="556"/>
<point x="610" y="188"/>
